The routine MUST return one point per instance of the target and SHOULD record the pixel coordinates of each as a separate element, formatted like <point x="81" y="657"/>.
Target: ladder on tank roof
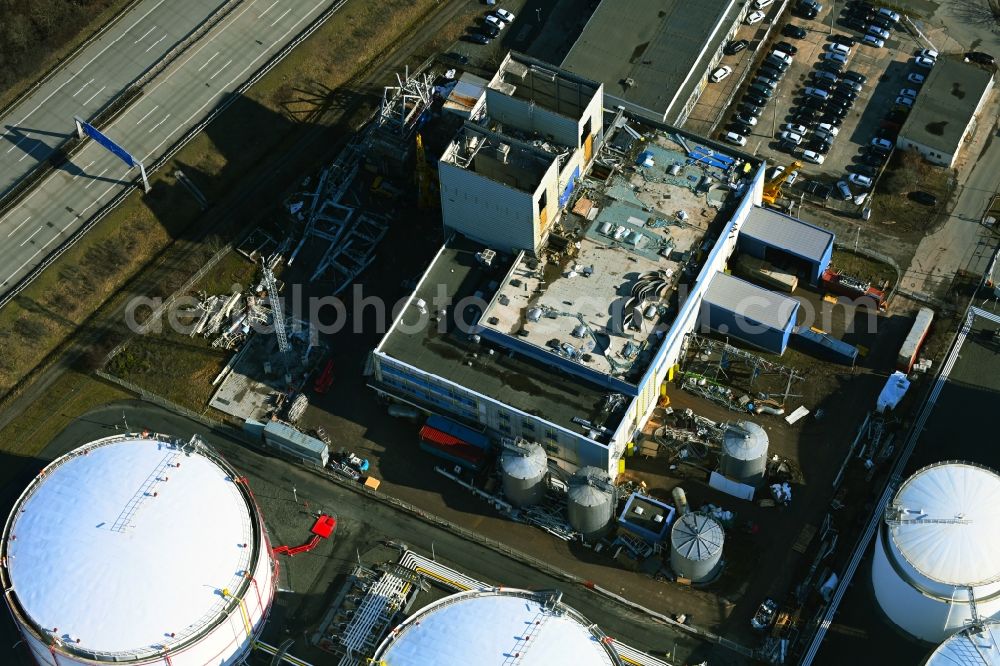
<point x="523" y="642"/>
<point x="145" y="491"/>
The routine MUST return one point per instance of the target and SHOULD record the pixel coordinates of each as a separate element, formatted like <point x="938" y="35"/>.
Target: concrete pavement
<point x="174" y="102"/>
<point x="33" y="128"/>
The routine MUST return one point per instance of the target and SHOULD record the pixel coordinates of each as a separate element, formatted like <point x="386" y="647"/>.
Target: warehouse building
<point x="751" y="314"/>
<point x="787" y="242"/>
<point x="654" y="56"/>
<point x="567" y="345"/>
<point x="945" y="115"/>
<point x="508" y="173"/>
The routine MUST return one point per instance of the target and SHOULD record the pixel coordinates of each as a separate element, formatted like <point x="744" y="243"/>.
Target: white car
<point x="927" y="53"/>
<point x="754" y="17"/>
<point x="881" y="33"/>
<point x="908" y="92"/>
<point x="860" y="180"/>
<point x="904" y="101"/>
<point x="792" y="177"/>
<point x="913" y="77"/>
<point x="734" y="138"/>
<point x="830" y="129"/>
<point x="889" y="14"/>
<point x="782" y="56"/>
<point x="873" y="41"/>
<point x="505" y="15"/>
<point x="720" y="73"/>
<point x="775" y="172"/>
<point x="791" y="137"/>
<point x="495" y="22"/>
<point x="795" y="129"/>
<point x="838" y="48"/>
<point x="885" y="144"/>
<point x="835" y="57"/>
<point x="813" y="156"/>
<point x="922" y="61"/>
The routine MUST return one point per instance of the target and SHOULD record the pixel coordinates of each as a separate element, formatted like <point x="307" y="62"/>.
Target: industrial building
<point x="137" y="549"/>
<point x="566" y="344"/>
<point x="946" y="112"/>
<point x="506" y="177"/>
<point x="787" y="242"/>
<point x="654" y="56"/>
<point x="936" y="567"/>
<point x="757" y="316"/>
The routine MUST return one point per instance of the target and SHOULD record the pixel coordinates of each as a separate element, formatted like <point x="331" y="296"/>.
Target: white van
<point x="761" y="4"/>
<point x="734" y="138"/>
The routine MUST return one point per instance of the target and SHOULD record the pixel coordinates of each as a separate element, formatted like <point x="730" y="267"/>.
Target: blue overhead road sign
<point x="100" y="138"/>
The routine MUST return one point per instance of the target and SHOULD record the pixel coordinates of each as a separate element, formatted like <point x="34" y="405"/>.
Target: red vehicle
<point x="325" y="379"/>
<point x="847" y="285"/>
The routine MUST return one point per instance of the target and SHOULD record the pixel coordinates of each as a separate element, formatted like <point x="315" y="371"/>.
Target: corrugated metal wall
<point x="495" y="214"/>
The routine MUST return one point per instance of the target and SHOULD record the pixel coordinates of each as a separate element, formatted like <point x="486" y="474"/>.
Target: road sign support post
<point x="145" y="181"/>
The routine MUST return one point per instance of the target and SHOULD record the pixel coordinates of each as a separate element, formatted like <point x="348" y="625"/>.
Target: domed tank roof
<point x="975" y="646"/>
<point x="697" y="536"/>
<point x="745" y="440"/>
<point x="944" y="522"/>
<point x="590" y="486"/>
<point x="524" y="460"/>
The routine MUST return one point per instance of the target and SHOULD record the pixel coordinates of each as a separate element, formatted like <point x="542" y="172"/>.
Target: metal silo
<point x="744" y="452"/>
<point x="696" y="547"/>
<point x="523" y="466"/>
<point x="591" y="502"/>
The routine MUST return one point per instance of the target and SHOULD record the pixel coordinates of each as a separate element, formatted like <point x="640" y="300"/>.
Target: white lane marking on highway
<point x="30" y="259"/>
<point x="219" y="71"/>
<point x="19" y="226"/>
<point x="94" y="95"/>
<point x="209" y="60"/>
<point x="83" y="170"/>
<point x="80" y="71"/>
<point x="82" y="87"/>
<point x="158" y="124"/>
<point x="249" y="65"/>
<point x="145" y="35"/>
<point x="146" y="115"/>
<point x="151" y="46"/>
<point x="95" y="179"/>
<point x="33" y="233"/>
<point x="283" y="14"/>
<point x="269" y="7"/>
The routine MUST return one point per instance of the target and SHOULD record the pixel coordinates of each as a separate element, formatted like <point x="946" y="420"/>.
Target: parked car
<point x="828" y="128"/>
<point x="825" y="76"/>
<point x="855" y="76"/>
<point x="810" y="91"/>
<point x="504" y="15"/>
<point x="793" y="128"/>
<point x="813" y="156"/>
<point x="753" y="17"/>
<point x="824" y="136"/>
<point x="813" y="103"/>
<point x="913" y="77"/>
<point x="792" y="177"/>
<point x="884" y="144"/>
<point x="835" y="57"/>
<point x="720" y="73"/>
<point x="846" y="40"/>
<point x="889" y="14"/>
<point x="845" y="191"/>
<point x="775" y="172"/>
<point x="844" y="92"/>
<point x="770" y="72"/>
<point x="866" y="170"/>
<point x="477" y="38"/>
<point x="489" y="30"/>
<point x="732" y="48"/>
<point x="785" y="47"/>
<point x="830" y="66"/>
<point x="750" y="108"/>
<point x="755" y="99"/>
<point x="498" y="23"/>
<point x="924" y="62"/>
<point x="873" y="40"/>
<point x="793" y="31"/>
<point x="838" y="112"/>
<point x="834" y="47"/>
<point x="927" y="53"/>
<point x="745" y="118"/>
<point x="860" y="180"/>
<point x="908" y="92"/>
<point x="882" y="22"/>
<point x="803" y="117"/>
<point x="762" y="90"/>
<point x="980" y="57"/>
<point x="792" y="137"/>
<point x="853" y="23"/>
<point x="818" y="189"/>
<point x="788" y="146"/>
<point x="782" y="56"/>
<point x="847" y="84"/>
<point x="734" y="138"/>
<point x="881" y="33"/>
<point x="904" y="101"/>
<point x="921" y="197"/>
<point x="818" y="145"/>
<point x="766" y="80"/>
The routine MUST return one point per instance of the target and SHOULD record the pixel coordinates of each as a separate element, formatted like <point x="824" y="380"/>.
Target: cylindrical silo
<point x="744" y="452"/>
<point x="591" y="502"/>
<point x="523" y="466"/>
<point x="938" y="551"/>
<point x="696" y="547"/>
<point x="137" y="549"/>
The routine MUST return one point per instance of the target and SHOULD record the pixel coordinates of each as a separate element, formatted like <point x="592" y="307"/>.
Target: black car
<point x="818" y="189"/>
<point x="872" y="160"/>
<point x="845" y="92"/>
<point x="855" y="24"/>
<point x="476" y="38"/>
<point x="855" y="76"/>
<point x="805" y="117"/>
<point x="882" y="22"/>
<point x="879" y="152"/>
<point x="760" y="89"/>
<point x="770" y="72"/>
<point x="818" y="145"/>
<point x="860" y="5"/>
<point x="831" y="119"/>
<point x="732" y="48"/>
<point x="980" y="57"/>
<point x="813" y="103"/>
<point x="787" y="146"/>
<point x="743" y="129"/>
<point x="786" y="47"/>
<point x="779" y="65"/>
<point x="838" y="108"/>
<point x="866" y="170"/>
<point x="489" y="30"/>
<point x="820" y="84"/>
<point x="457" y="58"/>
<point x="921" y="197"/>
<point x="831" y="66"/>
<point x="793" y="31"/>
<point x="755" y="99"/>
<point x="744" y="118"/>
<point x="846" y="40"/>
<point x="753" y="109"/>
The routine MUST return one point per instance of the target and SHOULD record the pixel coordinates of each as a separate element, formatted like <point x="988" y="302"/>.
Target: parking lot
<point x="883" y="71"/>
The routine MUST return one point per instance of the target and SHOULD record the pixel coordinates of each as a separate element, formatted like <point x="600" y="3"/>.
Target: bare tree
<point x="979" y="12"/>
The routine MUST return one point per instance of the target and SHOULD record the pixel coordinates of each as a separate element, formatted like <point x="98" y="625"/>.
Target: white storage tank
<point x="696" y="541"/>
<point x="591" y="502"/>
<point x="939" y="545"/>
<point x="497" y="627"/>
<point x="523" y="466"/>
<point x="744" y="452"/>
<point x="975" y="646"/>
<point x="137" y="549"/>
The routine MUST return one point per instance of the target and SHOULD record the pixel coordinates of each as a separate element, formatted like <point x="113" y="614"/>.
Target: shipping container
<point x="824" y="346"/>
<point x="459" y="431"/>
<point x="286" y="439"/>
<point x="453" y="449"/>
<point x="915" y="339"/>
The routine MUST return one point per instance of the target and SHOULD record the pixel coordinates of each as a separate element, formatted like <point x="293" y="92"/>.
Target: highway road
<point x="33" y="128"/>
<point x="178" y="99"/>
